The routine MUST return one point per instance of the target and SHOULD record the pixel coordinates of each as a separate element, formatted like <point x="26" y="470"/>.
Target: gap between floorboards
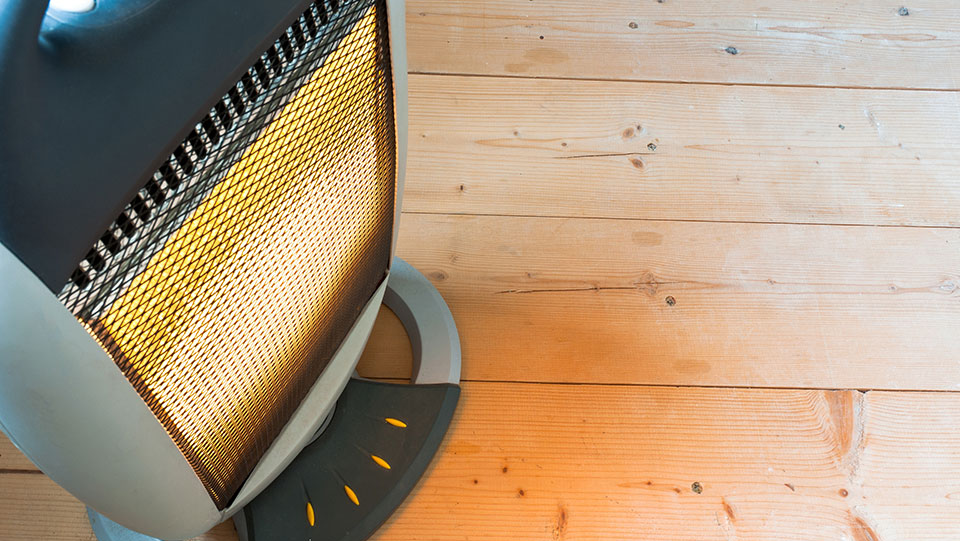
<point x="675" y="220"/>
<point x="663" y="82"/>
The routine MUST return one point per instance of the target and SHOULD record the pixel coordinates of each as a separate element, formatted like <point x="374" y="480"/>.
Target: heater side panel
<point x="72" y="412"/>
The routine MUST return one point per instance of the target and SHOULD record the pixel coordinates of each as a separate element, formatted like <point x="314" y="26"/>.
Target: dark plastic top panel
<point x="91" y="104"/>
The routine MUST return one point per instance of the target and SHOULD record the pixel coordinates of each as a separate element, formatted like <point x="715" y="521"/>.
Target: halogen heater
<point x="199" y="204"/>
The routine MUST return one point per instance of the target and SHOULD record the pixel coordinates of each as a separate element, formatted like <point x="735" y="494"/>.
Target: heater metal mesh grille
<point x="226" y="285"/>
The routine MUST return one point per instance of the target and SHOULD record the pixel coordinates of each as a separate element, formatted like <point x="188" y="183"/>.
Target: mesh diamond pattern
<point x="228" y="282"/>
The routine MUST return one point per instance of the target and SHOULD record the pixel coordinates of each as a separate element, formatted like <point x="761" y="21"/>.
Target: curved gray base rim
<point x="428" y="322"/>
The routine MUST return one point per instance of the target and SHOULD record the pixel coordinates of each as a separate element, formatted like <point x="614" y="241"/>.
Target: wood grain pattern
<point x="581" y="462"/>
<point x="32" y="508"/>
<point x="861" y="43"/>
<point x="12" y="460"/>
<point x="388" y="353"/>
<point x="683" y="152"/>
<point x="635" y="228"/>
<point x="567" y="462"/>
<point x="577" y="300"/>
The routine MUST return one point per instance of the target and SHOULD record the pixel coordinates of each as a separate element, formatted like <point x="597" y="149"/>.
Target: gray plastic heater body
<point x="81" y="421"/>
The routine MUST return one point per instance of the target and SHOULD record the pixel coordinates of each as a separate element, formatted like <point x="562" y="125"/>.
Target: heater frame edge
<point x="396" y="26"/>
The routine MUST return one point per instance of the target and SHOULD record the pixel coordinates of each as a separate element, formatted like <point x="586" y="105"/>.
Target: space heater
<point x="199" y="204"/>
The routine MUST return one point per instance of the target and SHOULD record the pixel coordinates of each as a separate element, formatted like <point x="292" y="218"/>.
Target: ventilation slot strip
<point x="201" y="142"/>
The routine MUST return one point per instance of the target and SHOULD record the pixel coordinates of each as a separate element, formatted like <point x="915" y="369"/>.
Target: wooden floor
<point x="705" y="261"/>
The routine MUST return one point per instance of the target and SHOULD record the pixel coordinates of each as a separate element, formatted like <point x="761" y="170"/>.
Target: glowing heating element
<point x="228" y="325"/>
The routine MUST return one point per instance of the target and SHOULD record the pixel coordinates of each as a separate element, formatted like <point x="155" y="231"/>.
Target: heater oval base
<point x="346" y="484"/>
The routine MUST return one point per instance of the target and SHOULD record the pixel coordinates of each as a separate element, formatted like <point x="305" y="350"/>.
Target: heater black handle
<point x="92" y="103"/>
